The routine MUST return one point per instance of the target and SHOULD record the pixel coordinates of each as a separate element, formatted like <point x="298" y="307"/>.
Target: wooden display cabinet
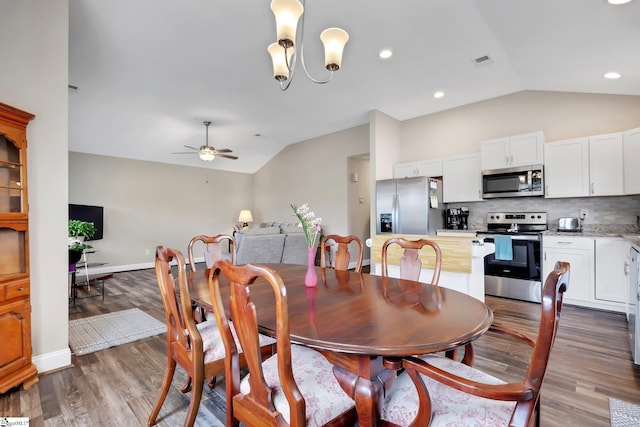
<point x="16" y="367"/>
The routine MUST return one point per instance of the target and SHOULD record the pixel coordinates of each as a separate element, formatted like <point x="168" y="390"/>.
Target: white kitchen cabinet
<point x="566" y="168"/>
<point x="611" y="269"/>
<point x="631" y="151"/>
<point x="512" y="151"/>
<point x="422" y="168"/>
<point x="598" y="269"/>
<point x="605" y="165"/>
<point x="579" y="253"/>
<point x="461" y="178"/>
<point x="405" y="170"/>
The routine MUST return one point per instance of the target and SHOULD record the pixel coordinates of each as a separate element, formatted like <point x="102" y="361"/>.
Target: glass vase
<point x="311" y="278"/>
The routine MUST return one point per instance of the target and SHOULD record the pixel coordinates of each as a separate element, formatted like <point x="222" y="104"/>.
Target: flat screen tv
<point x="94" y="214"/>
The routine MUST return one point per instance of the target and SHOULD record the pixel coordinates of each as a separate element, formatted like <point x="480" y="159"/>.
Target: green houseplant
<point x="78" y="231"/>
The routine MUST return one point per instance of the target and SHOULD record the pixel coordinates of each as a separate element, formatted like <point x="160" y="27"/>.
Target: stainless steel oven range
<point x="514" y="270"/>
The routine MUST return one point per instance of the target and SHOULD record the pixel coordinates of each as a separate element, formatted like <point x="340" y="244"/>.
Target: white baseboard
<point x="52" y="361"/>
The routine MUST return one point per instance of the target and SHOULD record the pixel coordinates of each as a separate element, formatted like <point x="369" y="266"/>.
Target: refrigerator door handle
<point x="395" y="221"/>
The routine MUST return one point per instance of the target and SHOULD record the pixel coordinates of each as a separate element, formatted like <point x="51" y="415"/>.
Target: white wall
<point x="148" y="204"/>
<point x="313" y="171"/>
<point x="34" y="78"/>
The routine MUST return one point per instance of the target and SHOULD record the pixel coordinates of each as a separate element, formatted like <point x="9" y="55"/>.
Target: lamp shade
<point x="245" y="216"/>
<point x="280" y="66"/>
<point x="287" y="13"/>
<point x="333" y="40"/>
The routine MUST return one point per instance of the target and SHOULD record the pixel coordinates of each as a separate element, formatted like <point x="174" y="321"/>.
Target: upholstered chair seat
<point x="313" y="374"/>
<point x="451" y="407"/>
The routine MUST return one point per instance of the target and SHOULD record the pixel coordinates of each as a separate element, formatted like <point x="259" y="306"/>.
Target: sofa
<point x="272" y="243"/>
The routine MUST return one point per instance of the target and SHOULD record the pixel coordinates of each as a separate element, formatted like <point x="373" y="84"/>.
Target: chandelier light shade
<point x="280" y="61"/>
<point x="245" y="218"/>
<point x="287" y="13"/>
<point x="333" y="40"/>
<point x="284" y="53"/>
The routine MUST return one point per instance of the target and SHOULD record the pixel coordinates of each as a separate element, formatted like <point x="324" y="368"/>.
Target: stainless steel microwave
<point x="522" y="181"/>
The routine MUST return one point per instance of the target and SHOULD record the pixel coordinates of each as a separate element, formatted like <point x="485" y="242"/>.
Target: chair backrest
<point x="258" y="405"/>
<point x="525" y="394"/>
<point x="212" y="249"/>
<point x="410" y="264"/>
<point x="341" y="256"/>
<point x="184" y="338"/>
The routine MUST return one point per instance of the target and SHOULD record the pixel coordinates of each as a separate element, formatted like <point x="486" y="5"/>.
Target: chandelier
<point x="283" y="51"/>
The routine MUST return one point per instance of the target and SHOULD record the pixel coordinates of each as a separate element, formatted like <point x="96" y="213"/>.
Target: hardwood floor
<point x="590" y="362"/>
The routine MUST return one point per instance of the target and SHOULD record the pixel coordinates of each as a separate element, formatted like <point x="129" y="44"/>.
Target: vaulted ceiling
<point x="149" y="72"/>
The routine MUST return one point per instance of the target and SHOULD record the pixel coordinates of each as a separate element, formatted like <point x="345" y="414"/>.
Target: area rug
<point x="108" y="330"/>
<point x="624" y="414"/>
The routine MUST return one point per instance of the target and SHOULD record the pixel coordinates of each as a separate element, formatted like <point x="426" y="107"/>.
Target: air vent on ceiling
<point x="483" y="61"/>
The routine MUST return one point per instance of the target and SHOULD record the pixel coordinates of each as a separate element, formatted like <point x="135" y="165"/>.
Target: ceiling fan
<point x="206" y="152"/>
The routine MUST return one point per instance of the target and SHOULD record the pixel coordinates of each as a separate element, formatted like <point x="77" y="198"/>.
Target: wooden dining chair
<point x="212" y="249"/>
<point x="341" y="257"/>
<point x="197" y="348"/>
<point x="410" y="263"/>
<point x="294" y="387"/>
<point x="438" y="391"/>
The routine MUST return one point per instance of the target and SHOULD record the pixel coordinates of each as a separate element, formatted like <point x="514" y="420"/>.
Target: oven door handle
<point x="531" y="238"/>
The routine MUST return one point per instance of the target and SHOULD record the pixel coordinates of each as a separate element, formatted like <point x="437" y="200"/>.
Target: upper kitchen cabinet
<point x="631" y="151"/>
<point x="461" y="179"/>
<point x="605" y="165"/>
<point x="423" y="168"/>
<point x="512" y="151"/>
<point x="566" y="168"/>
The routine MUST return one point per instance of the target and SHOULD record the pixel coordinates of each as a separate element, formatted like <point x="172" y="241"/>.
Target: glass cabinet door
<point x="11" y="188"/>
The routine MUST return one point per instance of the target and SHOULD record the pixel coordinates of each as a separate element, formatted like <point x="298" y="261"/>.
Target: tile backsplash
<point x="616" y="214"/>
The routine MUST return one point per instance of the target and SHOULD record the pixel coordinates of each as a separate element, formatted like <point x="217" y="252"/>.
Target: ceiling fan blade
<point x="224" y="150"/>
<point x="226" y="156"/>
<point x="193" y="148"/>
<point x="185" y="152"/>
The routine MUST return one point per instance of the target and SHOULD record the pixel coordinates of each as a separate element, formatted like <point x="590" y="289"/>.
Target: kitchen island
<point x="462" y="261"/>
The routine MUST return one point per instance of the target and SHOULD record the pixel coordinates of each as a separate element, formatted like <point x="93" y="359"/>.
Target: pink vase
<point x="311" y="279"/>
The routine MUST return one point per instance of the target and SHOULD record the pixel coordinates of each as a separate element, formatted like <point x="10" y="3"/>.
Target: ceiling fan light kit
<point x="283" y="52"/>
<point x="207" y="152"/>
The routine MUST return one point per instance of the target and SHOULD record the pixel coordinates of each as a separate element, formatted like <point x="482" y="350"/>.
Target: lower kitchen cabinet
<point x="579" y="253"/>
<point x="598" y="269"/>
<point x="612" y="267"/>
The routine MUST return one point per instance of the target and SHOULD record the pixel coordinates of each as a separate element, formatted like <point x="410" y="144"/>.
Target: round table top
<point x="364" y="314"/>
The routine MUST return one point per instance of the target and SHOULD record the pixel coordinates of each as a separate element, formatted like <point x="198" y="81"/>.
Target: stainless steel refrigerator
<point x="409" y="206"/>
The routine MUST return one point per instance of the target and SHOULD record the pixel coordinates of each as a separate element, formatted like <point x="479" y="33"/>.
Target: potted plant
<point x="78" y="231"/>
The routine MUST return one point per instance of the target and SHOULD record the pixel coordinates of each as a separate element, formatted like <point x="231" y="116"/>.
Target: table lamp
<point x="245" y="218"/>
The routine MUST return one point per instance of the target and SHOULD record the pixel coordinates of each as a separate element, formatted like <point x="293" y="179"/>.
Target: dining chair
<point x="197" y="348"/>
<point x="294" y="387"/>
<point x="212" y="249"/>
<point x="341" y="257"/>
<point x="410" y="263"/>
<point x="438" y="391"/>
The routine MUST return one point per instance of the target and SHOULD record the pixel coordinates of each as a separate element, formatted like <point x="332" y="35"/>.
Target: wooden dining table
<point x="357" y="320"/>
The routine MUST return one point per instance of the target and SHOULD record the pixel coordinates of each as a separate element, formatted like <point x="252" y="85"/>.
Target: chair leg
<point x="212" y="382"/>
<point x="166" y="383"/>
<point x="194" y="403"/>
<point x="187" y="385"/>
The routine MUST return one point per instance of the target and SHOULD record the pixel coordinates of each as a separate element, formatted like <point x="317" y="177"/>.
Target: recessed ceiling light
<point x="385" y="54"/>
<point x="617" y="2"/>
<point x="438" y="94"/>
<point x="612" y="75"/>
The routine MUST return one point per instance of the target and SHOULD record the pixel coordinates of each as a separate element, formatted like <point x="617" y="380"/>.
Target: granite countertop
<point x="634" y="239"/>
